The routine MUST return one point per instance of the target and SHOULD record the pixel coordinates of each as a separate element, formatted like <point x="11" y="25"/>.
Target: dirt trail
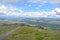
<point x="7" y="33"/>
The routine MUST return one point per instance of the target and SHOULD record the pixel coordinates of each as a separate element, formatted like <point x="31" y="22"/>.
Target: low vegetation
<point x="31" y="33"/>
<point x="3" y="30"/>
<point x="28" y="32"/>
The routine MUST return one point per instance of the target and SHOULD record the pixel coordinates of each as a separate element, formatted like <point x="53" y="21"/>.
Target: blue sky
<point x="31" y="8"/>
<point x="35" y="6"/>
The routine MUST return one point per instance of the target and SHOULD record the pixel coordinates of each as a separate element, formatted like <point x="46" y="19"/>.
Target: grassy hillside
<point x="6" y="26"/>
<point x="27" y="32"/>
<point x="3" y="30"/>
<point x="32" y="33"/>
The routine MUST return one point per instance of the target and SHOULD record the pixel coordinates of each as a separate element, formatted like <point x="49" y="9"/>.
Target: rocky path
<point x="7" y="33"/>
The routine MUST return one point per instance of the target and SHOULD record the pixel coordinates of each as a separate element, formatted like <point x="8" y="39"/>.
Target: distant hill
<point x="52" y="23"/>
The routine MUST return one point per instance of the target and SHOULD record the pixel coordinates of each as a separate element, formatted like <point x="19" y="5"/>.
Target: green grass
<point x="3" y="30"/>
<point x="30" y="33"/>
<point x="6" y="26"/>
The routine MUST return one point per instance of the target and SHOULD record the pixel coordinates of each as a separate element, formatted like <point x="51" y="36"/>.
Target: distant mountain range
<point x="53" y="23"/>
<point x="36" y="18"/>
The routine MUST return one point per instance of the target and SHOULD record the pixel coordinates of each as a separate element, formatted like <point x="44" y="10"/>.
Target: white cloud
<point x="13" y="11"/>
<point x="52" y="13"/>
<point x="32" y="14"/>
<point x="36" y="1"/>
<point x="57" y="10"/>
<point x="44" y="1"/>
<point x="9" y="1"/>
<point x="10" y="10"/>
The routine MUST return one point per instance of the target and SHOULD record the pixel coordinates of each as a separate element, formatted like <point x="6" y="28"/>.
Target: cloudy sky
<point x="30" y="8"/>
